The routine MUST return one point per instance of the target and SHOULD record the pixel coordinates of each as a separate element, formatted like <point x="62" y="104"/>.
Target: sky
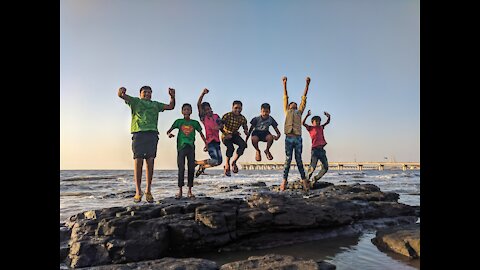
<point x="363" y="58"/>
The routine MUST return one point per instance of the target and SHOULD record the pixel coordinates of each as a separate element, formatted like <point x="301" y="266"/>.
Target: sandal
<point x="258" y="156"/>
<point x="178" y="196"/>
<point x="227" y="172"/>
<point x="191" y="196"/>
<point x="269" y="155"/>
<point x="200" y="170"/>
<point x="149" y="197"/>
<point x="234" y="168"/>
<point x="306" y="185"/>
<point x="284" y="185"/>
<point x="137" y="198"/>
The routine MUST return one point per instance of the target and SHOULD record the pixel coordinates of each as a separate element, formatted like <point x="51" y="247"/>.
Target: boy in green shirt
<point x="186" y="147"/>
<point x="145" y="134"/>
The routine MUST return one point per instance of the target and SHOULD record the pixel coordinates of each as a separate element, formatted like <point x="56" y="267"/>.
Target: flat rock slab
<point x="165" y="263"/>
<point x="404" y="240"/>
<point x="180" y="228"/>
<point x="277" y="262"/>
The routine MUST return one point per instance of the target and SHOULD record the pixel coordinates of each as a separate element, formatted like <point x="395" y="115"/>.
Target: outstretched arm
<point x="199" y="102"/>
<point x="170" y="135"/>
<point x="285" y="94"/>
<point x="122" y="94"/>
<point x="328" y="119"/>
<point x="303" y="102"/>
<point x="305" y="119"/>
<point x="171" y="106"/>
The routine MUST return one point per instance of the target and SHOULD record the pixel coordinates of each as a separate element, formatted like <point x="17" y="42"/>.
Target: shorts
<point x="262" y="135"/>
<point x="144" y="144"/>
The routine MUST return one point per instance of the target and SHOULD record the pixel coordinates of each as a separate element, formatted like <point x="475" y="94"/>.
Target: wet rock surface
<point x="121" y="235"/>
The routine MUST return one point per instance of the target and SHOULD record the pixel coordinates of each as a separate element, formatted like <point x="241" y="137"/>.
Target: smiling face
<point x="237" y="109"/>
<point x="146" y="93"/>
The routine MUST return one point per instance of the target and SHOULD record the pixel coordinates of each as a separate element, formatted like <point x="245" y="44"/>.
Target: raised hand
<point x="171" y="92"/>
<point x="327" y="114"/>
<point x="309" y="113"/>
<point x="121" y="91"/>
<point x="284" y="79"/>
<point x="205" y="91"/>
<point x="308" y="80"/>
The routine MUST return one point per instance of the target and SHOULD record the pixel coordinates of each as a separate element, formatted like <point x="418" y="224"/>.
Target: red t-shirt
<point x="316" y="133"/>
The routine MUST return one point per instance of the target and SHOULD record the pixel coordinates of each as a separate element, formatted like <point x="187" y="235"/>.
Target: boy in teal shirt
<point x="186" y="147"/>
<point x="145" y="134"/>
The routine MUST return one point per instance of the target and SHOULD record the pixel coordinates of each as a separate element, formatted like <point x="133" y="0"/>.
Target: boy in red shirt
<point x="318" y="142"/>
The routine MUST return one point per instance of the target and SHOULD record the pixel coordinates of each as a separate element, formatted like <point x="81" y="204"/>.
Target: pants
<point x="215" y="154"/>
<point x="236" y="139"/>
<point x="293" y="144"/>
<point x="318" y="154"/>
<point x="189" y="152"/>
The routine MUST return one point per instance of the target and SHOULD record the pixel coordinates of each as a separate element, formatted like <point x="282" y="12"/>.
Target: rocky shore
<point x="124" y="237"/>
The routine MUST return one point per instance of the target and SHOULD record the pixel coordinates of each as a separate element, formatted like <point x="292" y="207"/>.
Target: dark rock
<point x="404" y="240"/>
<point x="274" y="261"/>
<point x="172" y="227"/>
<point x="165" y="263"/>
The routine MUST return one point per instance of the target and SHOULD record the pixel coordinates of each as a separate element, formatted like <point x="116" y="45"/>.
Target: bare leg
<point x="137" y="172"/>
<point x="269" y="144"/>
<point x="150" y="162"/>
<point x="258" y="156"/>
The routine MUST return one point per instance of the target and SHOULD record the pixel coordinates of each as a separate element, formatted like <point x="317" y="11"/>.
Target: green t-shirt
<point x="186" y="132"/>
<point x="144" y="114"/>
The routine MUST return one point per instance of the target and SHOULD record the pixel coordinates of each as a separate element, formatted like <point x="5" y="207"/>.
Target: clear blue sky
<point x="363" y="58"/>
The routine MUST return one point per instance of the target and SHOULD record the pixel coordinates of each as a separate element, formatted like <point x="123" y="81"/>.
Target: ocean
<point x="82" y="190"/>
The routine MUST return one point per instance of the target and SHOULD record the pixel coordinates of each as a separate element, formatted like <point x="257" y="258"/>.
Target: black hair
<point x="265" y="106"/>
<point x="316" y="118"/>
<point x="237" y="102"/>
<point x="291" y="103"/>
<point x="145" y="87"/>
<point x="186" y="105"/>
<point x="205" y="104"/>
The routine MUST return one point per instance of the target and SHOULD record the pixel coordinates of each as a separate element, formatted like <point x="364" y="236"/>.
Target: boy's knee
<point x="269" y="138"/>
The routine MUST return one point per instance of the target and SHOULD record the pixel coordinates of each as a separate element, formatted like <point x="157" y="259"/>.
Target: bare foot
<point x="284" y="184"/>
<point x="258" y="155"/>
<point x="269" y="155"/>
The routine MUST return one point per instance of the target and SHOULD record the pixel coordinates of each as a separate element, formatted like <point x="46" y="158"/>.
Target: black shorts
<point x="144" y="144"/>
<point x="262" y="135"/>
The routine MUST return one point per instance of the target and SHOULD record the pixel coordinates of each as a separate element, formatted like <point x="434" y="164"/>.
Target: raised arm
<point x="285" y="94"/>
<point x="328" y="119"/>
<point x="171" y="106"/>
<point x="303" y="102"/>
<point x="122" y="94"/>
<point x="305" y="119"/>
<point x="199" y="102"/>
